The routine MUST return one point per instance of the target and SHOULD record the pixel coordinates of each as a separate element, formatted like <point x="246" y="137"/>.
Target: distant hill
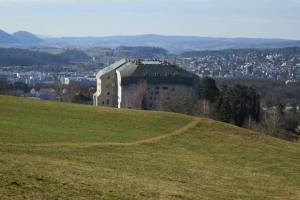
<point x="52" y="150"/>
<point x="139" y="52"/>
<point x="75" y="55"/>
<point x="130" y="52"/>
<point x="23" y="57"/>
<point x="175" y="43"/>
<point x="24" y="37"/>
<point x="19" y="39"/>
<point x="6" y="38"/>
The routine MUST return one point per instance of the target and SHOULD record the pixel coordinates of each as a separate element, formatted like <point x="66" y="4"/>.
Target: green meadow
<point x="51" y="150"/>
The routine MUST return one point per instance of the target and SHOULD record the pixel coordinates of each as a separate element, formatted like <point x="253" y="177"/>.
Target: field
<point x="53" y="150"/>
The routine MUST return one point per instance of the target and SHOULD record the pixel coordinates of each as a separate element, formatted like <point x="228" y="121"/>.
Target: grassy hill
<point x="53" y="150"/>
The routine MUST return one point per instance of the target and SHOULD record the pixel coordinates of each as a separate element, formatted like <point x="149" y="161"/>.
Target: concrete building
<point x="146" y="84"/>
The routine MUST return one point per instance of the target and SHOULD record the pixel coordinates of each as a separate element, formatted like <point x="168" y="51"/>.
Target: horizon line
<point x="152" y="34"/>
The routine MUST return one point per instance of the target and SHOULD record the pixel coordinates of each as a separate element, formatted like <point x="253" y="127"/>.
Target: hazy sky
<point x="225" y="18"/>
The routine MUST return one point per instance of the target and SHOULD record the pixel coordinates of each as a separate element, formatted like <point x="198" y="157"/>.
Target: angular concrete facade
<point x="150" y="85"/>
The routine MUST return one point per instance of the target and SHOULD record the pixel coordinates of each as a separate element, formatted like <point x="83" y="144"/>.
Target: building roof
<point x="153" y="71"/>
<point x="111" y="67"/>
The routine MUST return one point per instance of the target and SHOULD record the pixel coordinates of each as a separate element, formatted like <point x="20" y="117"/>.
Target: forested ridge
<point x="23" y="57"/>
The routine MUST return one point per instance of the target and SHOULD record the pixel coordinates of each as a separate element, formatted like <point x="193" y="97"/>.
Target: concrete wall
<point x="132" y="95"/>
<point x="175" y="98"/>
<point x="166" y="97"/>
<point x="109" y="90"/>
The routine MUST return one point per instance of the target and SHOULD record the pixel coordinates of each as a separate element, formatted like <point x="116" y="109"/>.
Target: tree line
<point x="233" y="104"/>
<point x="241" y="105"/>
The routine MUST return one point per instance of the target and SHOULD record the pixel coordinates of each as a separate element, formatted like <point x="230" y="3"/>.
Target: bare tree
<point x="273" y="119"/>
<point x="3" y="85"/>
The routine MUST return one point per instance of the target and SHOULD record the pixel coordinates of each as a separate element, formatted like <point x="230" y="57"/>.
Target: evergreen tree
<point x="210" y="90"/>
<point x="238" y="103"/>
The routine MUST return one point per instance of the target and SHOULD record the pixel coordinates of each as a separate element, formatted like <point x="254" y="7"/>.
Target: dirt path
<point x="153" y="140"/>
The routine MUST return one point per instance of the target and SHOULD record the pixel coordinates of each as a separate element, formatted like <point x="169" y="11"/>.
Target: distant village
<point x="46" y="81"/>
<point x="277" y="64"/>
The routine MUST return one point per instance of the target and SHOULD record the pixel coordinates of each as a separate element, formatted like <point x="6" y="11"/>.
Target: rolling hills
<point x="6" y="38"/>
<point x="20" y="38"/>
<point x="24" y="57"/>
<point x="27" y="38"/>
<point x="174" y="44"/>
<point x="52" y="150"/>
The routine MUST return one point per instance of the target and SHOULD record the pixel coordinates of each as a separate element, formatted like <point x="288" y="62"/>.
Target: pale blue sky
<point x="217" y="18"/>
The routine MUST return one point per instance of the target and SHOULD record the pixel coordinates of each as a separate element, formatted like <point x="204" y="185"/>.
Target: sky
<point x="213" y="18"/>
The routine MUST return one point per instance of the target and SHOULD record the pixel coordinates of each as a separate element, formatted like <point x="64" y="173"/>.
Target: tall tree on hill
<point x="224" y="107"/>
<point x="209" y="92"/>
<point x="253" y="105"/>
<point x="237" y="103"/>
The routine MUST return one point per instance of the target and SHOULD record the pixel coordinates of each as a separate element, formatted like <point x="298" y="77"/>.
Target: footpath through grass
<point x="35" y="122"/>
<point x="211" y="160"/>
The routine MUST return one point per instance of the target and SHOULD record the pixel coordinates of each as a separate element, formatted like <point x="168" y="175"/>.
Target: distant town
<point x="276" y="64"/>
<point x="69" y="74"/>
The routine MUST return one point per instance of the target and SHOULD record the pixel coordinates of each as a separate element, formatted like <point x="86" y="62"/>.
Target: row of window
<point x="156" y="92"/>
<point x="153" y="98"/>
<point x="164" y="88"/>
<point x="107" y="102"/>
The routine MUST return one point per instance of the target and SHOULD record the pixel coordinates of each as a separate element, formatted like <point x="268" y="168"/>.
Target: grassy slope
<point x="28" y="121"/>
<point x="210" y="161"/>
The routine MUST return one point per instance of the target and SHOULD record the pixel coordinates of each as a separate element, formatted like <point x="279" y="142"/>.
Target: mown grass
<point x="210" y="161"/>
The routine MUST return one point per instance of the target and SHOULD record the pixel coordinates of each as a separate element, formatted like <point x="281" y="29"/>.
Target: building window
<point x="157" y="92"/>
<point x="107" y="101"/>
<point x="173" y="89"/>
<point x="108" y="77"/>
<point x="103" y="102"/>
<point x="108" y="93"/>
<point x="165" y="88"/>
<point x="157" y="87"/>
